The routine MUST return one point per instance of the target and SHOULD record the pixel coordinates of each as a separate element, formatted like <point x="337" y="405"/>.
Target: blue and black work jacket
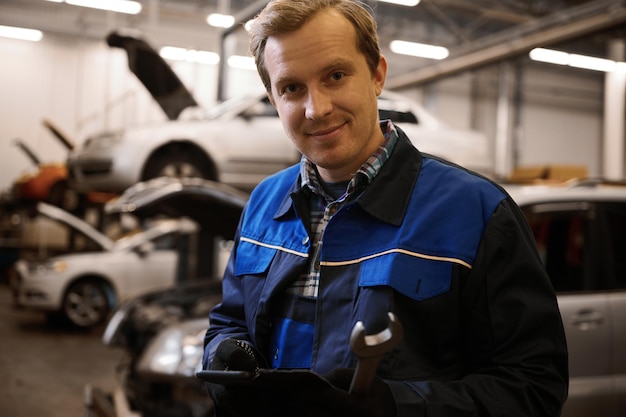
<point x="444" y="249"/>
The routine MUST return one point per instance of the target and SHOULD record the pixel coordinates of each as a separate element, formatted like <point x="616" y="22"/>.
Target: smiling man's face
<point x="325" y="93"/>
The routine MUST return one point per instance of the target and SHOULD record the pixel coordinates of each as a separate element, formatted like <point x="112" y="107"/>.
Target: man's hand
<point x="244" y="400"/>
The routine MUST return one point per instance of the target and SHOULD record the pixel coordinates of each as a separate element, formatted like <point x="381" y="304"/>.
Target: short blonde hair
<point x="284" y="16"/>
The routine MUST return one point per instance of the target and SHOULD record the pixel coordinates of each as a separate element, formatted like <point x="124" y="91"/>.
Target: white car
<point x="84" y="286"/>
<point x="238" y="142"/>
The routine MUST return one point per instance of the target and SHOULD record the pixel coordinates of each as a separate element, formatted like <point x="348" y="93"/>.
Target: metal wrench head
<point x="365" y="346"/>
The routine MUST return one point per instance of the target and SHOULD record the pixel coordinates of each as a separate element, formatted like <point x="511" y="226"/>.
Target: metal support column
<point x="614" y="102"/>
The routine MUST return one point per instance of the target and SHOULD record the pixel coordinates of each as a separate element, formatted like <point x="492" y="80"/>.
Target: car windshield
<point x="236" y="104"/>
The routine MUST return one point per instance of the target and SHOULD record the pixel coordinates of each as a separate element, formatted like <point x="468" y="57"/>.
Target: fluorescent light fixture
<point x="402" y="2"/>
<point x="220" y="20"/>
<point x="120" y="6"/>
<point x="190" y="55"/>
<point x="592" y="63"/>
<point x="21" y="33"/>
<point x="418" y="49"/>
<point x="242" y="62"/>
<point x="575" y="60"/>
<point x="174" y="53"/>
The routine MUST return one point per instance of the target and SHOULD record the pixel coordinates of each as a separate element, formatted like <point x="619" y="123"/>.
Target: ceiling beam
<point x="560" y="26"/>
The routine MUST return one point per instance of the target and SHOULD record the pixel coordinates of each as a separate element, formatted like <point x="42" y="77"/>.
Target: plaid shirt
<point x="323" y="206"/>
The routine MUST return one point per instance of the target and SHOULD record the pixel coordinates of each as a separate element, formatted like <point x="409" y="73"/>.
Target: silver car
<point x="238" y="142"/>
<point x="580" y="230"/>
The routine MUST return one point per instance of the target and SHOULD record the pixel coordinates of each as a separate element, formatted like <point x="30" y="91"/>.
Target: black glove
<point x="237" y="355"/>
<point x="338" y="402"/>
<point x="244" y="400"/>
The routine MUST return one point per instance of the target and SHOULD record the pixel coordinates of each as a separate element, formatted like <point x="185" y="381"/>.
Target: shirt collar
<point x="365" y="174"/>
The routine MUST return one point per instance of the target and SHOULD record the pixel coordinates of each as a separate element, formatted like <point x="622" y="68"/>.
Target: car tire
<point x="86" y="303"/>
<point x="178" y="163"/>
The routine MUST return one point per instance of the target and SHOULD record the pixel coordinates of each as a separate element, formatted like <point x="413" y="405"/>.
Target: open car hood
<point x="214" y="206"/>
<point x="155" y="74"/>
<point x="73" y="222"/>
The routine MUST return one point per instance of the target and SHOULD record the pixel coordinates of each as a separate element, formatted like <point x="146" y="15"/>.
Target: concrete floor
<point x="44" y="367"/>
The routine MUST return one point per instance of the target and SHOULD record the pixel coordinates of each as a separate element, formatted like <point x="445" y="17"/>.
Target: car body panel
<point x="582" y="227"/>
<point x="166" y="88"/>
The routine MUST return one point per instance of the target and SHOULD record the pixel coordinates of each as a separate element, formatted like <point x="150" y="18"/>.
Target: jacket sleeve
<point x="227" y="319"/>
<point x="513" y="337"/>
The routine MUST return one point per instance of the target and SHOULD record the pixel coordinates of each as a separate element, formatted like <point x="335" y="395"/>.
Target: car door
<point x="572" y="247"/>
<point x="612" y="222"/>
<point x="152" y="264"/>
<point x="257" y="145"/>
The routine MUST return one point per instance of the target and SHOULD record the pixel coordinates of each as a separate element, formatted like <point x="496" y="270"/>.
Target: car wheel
<point x="86" y="303"/>
<point x="178" y="163"/>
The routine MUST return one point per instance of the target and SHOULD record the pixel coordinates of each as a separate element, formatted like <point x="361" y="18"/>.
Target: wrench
<point x="370" y="350"/>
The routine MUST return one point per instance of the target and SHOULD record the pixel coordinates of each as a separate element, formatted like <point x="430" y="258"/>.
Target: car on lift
<point x="49" y="182"/>
<point x="238" y="142"/>
<point x="580" y="231"/>
<point x="158" y="252"/>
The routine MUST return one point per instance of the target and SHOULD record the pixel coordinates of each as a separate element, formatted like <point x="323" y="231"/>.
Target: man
<point x="367" y="225"/>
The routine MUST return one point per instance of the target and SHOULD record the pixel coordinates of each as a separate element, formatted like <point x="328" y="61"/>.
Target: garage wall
<point x="84" y="86"/>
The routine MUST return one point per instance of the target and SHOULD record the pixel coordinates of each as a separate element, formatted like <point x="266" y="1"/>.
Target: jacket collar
<point x="387" y="197"/>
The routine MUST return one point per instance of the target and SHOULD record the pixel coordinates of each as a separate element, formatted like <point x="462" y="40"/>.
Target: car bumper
<point x="29" y="295"/>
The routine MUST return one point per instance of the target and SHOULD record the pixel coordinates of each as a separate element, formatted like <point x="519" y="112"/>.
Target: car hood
<point x="214" y="206"/>
<point x="73" y="222"/>
<point x="155" y="74"/>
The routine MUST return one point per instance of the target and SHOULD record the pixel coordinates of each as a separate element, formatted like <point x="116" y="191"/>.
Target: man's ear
<point x="380" y="75"/>
<point x="270" y="98"/>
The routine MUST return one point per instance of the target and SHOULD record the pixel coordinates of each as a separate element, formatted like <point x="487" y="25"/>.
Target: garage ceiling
<point x="477" y="32"/>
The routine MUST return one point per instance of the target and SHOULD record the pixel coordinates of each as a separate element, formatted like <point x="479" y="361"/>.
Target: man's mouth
<point x="327" y="132"/>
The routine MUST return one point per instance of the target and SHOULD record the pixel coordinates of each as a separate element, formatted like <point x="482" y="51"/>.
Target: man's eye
<point x="290" y="89"/>
<point x="336" y="76"/>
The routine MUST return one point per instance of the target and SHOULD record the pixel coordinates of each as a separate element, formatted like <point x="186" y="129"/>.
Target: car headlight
<point x="103" y="141"/>
<point x="47" y="267"/>
<point x="176" y="350"/>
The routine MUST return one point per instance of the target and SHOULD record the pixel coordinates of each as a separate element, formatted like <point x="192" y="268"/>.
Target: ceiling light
<point x="418" y="49"/>
<point x="21" y="33"/>
<point x="575" y="60"/>
<point x="592" y="63"/>
<point x="402" y="2"/>
<point x="242" y="62"/>
<point x="190" y="55"/>
<point x="120" y="6"/>
<point x="220" y="20"/>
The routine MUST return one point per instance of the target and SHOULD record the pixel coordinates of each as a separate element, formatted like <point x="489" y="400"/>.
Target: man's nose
<point x="318" y="104"/>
